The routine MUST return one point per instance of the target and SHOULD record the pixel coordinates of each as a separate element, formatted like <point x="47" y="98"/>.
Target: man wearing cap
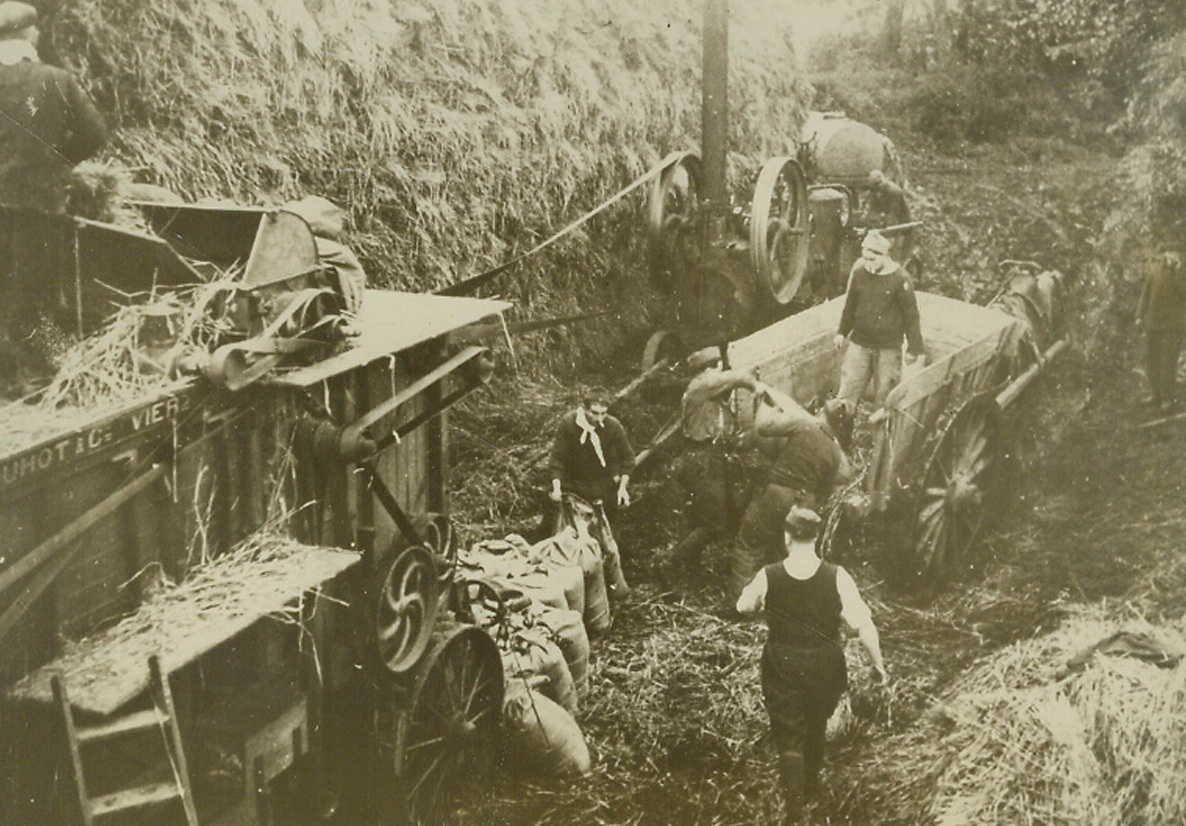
<point x="48" y="124"/>
<point x="804" y="460"/>
<point x="803" y="667"/>
<point x="713" y="469"/>
<point x="880" y="310"/>
<point x="592" y="459"/>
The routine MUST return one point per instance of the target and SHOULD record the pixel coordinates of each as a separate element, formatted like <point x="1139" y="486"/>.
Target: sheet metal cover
<point x="391" y="322"/>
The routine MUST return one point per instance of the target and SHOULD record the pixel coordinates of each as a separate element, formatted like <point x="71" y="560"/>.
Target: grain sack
<point x="573" y="640"/>
<point x="541" y="587"/>
<point x="541" y="735"/>
<point x="575" y="546"/>
<point x="533" y="652"/>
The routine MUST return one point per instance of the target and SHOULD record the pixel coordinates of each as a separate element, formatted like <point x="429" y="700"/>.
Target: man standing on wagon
<point x="880" y="310"/>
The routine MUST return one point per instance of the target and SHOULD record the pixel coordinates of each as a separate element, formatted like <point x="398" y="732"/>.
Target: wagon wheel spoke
<point x="456" y="704"/>
<point x="952" y="504"/>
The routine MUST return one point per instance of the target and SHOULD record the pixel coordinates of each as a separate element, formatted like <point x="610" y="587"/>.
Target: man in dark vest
<point x="803" y="667"/>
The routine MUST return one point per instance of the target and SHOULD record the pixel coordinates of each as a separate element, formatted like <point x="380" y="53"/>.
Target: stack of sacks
<point x="563" y="571"/>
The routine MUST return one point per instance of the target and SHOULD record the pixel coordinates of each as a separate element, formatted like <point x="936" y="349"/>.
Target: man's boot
<point x="790" y="771"/>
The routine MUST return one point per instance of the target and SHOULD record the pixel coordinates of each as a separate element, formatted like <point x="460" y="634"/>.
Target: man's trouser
<point x="760" y="539"/>
<point x="883" y="366"/>
<point x="1161" y="362"/>
<point x="801" y="687"/>
<point x="716" y="491"/>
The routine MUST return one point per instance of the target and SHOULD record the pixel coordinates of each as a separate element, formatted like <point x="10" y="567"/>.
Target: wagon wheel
<point x="406" y="613"/>
<point x="958" y="487"/>
<point x="452" y="725"/>
<point x="778" y="228"/>
<point x="673" y="238"/>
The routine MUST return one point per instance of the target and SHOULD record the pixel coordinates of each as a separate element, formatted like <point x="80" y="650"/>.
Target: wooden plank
<point x="76" y="528"/>
<point x="172" y="624"/>
<point x="393" y="322"/>
<point x="138" y="721"/>
<point x="125" y="800"/>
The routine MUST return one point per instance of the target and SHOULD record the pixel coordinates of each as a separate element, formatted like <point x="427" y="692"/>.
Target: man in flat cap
<point x="48" y="124"/>
<point x="880" y="310"/>
<point x="804" y="600"/>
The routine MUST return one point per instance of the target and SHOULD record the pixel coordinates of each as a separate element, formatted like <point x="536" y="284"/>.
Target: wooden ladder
<point x="139" y="798"/>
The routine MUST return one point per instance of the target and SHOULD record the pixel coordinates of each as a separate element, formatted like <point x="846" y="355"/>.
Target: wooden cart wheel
<point x="406" y="613"/>
<point x="958" y="488"/>
<point x="673" y="238"/>
<point x="452" y="726"/>
<point x="779" y="228"/>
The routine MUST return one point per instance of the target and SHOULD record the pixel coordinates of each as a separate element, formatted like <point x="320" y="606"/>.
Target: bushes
<point x="980" y="105"/>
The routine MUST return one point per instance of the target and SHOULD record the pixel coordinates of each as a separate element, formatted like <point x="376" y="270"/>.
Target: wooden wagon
<point x="162" y="660"/>
<point x="940" y="452"/>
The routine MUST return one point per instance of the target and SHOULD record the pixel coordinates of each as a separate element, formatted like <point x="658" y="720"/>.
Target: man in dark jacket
<point x="880" y="310"/>
<point x="805" y="461"/>
<point x="1162" y="313"/>
<point x="47" y="124"/>
<point x="592" y="459"/>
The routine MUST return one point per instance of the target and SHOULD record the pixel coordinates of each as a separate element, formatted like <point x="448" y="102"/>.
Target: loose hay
<point x="112" y="368"/>
<point x="265" y="575"/>
<point x="1019" y="741"/>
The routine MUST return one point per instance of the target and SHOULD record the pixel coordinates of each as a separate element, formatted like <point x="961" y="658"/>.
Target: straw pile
<point x="265" y="575"/>
<point x="456" y="132"/>
<point x="1018" y="740"/>
<point x="111" y="368"/>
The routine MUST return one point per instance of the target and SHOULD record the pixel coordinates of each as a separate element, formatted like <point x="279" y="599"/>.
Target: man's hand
<point x="623" y="494"/>
<point x="911" y="358"/>
<point x="555" y="494"/>
<point x="880" y="675"/>
<point x="839" y="341"/>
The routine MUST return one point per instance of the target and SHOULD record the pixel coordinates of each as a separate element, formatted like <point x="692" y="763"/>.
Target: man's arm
<point x="848" y="314"/>
<point x="620" y="456"/>
<point x="909" y="303"/>
<point x="88" y="130"/>
<point x="753" y="596"/>
<point x="857" y="616"/>
<point x="558" y="461"/>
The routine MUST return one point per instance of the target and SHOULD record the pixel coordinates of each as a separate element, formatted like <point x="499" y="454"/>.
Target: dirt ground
<point x="675" y="719"/>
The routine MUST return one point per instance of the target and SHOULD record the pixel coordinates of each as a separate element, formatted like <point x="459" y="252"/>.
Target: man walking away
<point x="880" y="310"/>
<point x="803" y="667"/>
